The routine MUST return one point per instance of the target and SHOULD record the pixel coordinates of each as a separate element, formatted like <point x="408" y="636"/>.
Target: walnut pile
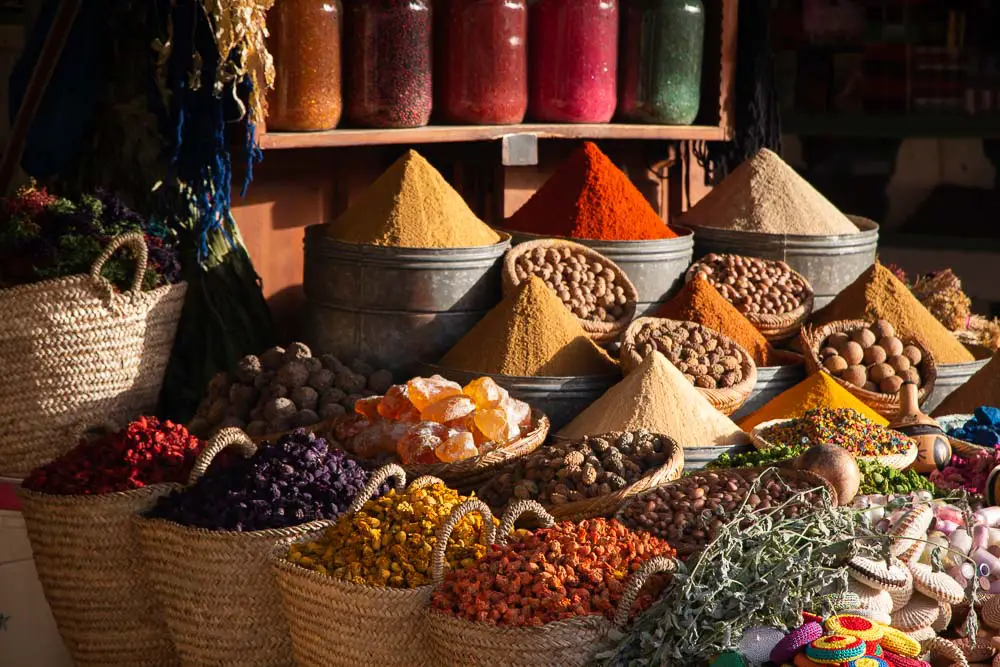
<point x="755" y="286"/>
<point x="707" y="359"/>
<point x="284" y="389"/>
<point x="566" y="472"/>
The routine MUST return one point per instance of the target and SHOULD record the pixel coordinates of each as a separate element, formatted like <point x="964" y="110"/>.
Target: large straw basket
<point x="336" y="623"/>
<point x="726" y="400"/>
<point x="900" y="461"/>
<point x="75" y="353"/>
<point x="886" y="405"/>
<point x="215" y="588"/>
<point x="775" y="328"/>
<point x="456" y="642"/>
<point x="600" y="331"/>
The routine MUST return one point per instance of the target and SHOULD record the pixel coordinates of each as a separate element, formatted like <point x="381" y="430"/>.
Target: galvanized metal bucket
<point x="656" y="268"/>
<point x="696" y="458"/>
<point x="952" y="376"/>
<point x="771" y="381"/>
<point x="560" y="398"/>
<point x="393" y="307"/>
<point x="829" y="263"/>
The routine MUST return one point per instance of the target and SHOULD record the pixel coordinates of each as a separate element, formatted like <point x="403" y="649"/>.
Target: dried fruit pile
<point x="566" y="472"/>
<point x="434" y="420"/>
<point x="293" y="481"/>
<point x="390" y="540"/>
<point x="844" y="427"/>
<point x="755" y="286"/>
<point x="872" y="358"/>
<point x="707" y="359"/>
<point x="285" y="388"/>
<point x="146" y="452"/>
<point x="556" y="573"/>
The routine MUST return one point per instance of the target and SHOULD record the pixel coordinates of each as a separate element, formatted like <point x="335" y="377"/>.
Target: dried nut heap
<point x="283" y="389"/>
<point x="755" y="286"/>
<point x="707" y="359"/>
<point x="390" y="540"/>
<point x="554" y="574"/>
<point x="692" y="509"/>
<point x="587" y="287"/>
<point x="872" y="358"/>
<point x="566" y="472"/>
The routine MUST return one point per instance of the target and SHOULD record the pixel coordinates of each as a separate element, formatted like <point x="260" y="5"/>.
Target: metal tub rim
<point x="841" y="244"/>
<point x="565" y="382"/>
<point x="450" y="258"/>
<point x="677" y="245"/>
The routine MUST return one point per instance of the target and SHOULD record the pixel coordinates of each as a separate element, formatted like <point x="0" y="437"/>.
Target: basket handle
<point x="134" y="241"/>
<point x="375" y="482"/>
<point x="635" y="582"/>
<point x="444" y="534"/>
<point x="516" y="510"/>
<point x="225" y="438"/>
<point x="425" y="480"/>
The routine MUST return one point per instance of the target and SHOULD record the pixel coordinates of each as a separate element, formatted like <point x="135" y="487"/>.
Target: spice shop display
<point x="717" y="366"/>
<point x="304" y="37"/>
<point x="587" y="477"/>
<point x="982" y="389"/>
<point x="387" y="56"/>
<point x="530" y="333"/>
<point x="662" y="44"/>
<point x="285" y="388"/>
<point x="819" y="390"/>
<point x="573" y="76"/>
<point x="772" y="296"/>
<point x="481" y="61"/>
<point x="588" y="197"/>
<point x="656" y="397"/>
<point x="593" y="287"/>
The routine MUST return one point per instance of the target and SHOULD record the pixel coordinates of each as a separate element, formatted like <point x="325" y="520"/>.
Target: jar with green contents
<point x="661" y="50"/>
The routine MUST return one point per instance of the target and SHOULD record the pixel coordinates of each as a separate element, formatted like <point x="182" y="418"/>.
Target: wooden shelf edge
<point x="454" y="134"/>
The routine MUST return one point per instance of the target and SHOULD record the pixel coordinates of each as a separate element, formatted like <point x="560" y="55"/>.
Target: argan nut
<point x="870" y="386"/>
<point x="913" y="353"/>
<point x="864" y="337"/>
<point x="852" y="353"/>
<point x="837" y="340"/>
<point x="828" y="352"/>
<point x="892" y="345"/>
<point x="835" y="364"/>
<point x="900" y="363"/>
<point x="891" y="385"/>
<point x="880" y="372"/>
<point x="911" y="374"/>
<point x="883" y="329"/>
<point x="856" y="375"/>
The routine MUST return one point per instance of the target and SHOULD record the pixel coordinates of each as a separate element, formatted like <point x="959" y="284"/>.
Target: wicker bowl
<point x="600" y="331"/>
<point x="900" y="461"/>
<point x="775" y="328"/>
<point x="726" y="400"/>
<point x="886" y="405"/>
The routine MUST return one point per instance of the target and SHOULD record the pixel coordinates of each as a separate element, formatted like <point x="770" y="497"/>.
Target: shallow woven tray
<point x="886" y="405"/>
<point x="900" y="461"/>
<point x="598" y="330"/>
<point x="775" y="328"/>
<point x="726" y="400"/>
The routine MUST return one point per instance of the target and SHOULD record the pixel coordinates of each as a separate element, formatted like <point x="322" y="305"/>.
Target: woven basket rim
<point x="813" y="337"/>
<point x="605" y="330"/>
<point x="899" y="461"/>
<point x="726" y="399"/>
<point x="599" y="621"/>
<point x="228" y="535"/>
<point x="96" y="498"/>
<point x="82" y="279"/>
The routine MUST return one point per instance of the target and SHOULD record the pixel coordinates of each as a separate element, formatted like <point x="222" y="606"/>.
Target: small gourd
<point x="836" y="465"/>
<point x="933" y="447"/>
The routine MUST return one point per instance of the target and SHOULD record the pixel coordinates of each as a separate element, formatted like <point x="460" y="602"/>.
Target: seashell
<point x="912" y="525"/>
<point x="938" y="585"/>
<point x="877" y="574"/>
<point x="920" y="612"/>
<point x="869" y="598"/>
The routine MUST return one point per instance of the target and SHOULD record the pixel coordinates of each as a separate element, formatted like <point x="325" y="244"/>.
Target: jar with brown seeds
<point x="754" y="285"/>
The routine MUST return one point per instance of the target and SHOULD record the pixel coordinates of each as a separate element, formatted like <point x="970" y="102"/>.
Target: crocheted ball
<point x="834" y="649"/>
<point x="729" y="659"/>
<point x="895" y="641"/>
<point x="807" y="617"/>
<point x="757" y="643"/>
<point x="802" y="660"/>
<point x="868" y="661"/>
<point x="854" y="626"/>
<point x="896" y="660"/>
<point x="795" y="641"/>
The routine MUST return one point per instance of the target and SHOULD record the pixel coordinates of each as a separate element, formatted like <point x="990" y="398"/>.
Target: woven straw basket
<point x="600" y="331"/>
<point x="75" y="353"/>
<point x="886" y="405"/>
<point x="456" y="642"/>
<point x="900" y="461"/>
<point x="726" y="400"/>
<point x="775" y="328"/>
<point x="215" y="588"/>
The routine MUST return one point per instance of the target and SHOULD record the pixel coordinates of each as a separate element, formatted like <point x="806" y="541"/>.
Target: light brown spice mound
<point x="879" y="295"/>
<point x="983" y="388"/>
<point x="412" y="206"/>
<point x="530" y="333"/>
<point x="656" y="397"/>
<point x="765" y="195"/>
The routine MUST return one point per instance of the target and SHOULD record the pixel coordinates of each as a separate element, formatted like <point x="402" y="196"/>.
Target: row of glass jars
<point x="382" y="51"/>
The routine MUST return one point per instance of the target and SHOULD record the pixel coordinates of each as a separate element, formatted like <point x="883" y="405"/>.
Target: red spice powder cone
<point x="590" y="198"/>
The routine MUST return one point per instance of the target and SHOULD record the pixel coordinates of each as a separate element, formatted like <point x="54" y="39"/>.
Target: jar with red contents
<point x="574" y="60"/>
<point x="387" y="56"/>
<point x="482" y="61"/>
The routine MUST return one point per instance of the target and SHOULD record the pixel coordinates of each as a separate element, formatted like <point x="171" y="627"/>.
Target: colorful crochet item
<point x="795" y="641"/>
<point x="874" y="648"/>
<point x="868" y="661"/>
<point x="807" y="617"/>
<point x="802" y="660"/>
<point x="729" y="659"/>
<point x="900" y="643"/>
<point x="896" y="660"/>
<point x="757" y="644"/>
<point x="854" y="626"/>
<point x="835" y="649"/>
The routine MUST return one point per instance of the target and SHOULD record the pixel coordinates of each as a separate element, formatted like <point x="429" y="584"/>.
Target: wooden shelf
<point x="893" y="126"/>
<point x="436" y="134"/>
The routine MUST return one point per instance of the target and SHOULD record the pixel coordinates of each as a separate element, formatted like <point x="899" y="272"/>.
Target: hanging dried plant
<point x="941" y="293"/>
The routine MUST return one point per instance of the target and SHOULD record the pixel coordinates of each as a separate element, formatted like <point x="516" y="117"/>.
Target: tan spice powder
<point x="878" y="294"/>
<point x="530" y="333"/>
<point x="983" y="388"/>
<point x="765" y="195"/>
<point x="658" y="398"/>
<point x="412" y="206"/>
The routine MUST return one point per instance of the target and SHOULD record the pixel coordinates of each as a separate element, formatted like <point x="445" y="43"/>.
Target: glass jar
<point x="663" y="42"/>
<point x="482" y="61"/>
<point x="305" y="42"/>
<point x="574" y="60"/>
<point x="388" y="62"/>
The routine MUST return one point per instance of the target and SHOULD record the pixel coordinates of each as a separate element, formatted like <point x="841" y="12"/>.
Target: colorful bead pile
<point x="839" y="426"/>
